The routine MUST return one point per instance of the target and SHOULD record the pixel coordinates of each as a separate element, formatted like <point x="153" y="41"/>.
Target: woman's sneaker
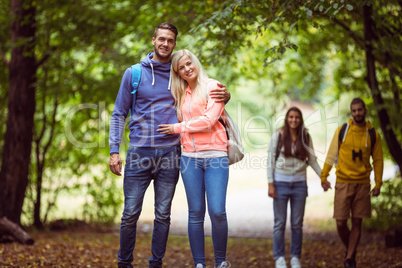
<point x="199" y="265"/>
<point x="224" y="264"/>
<point x="295" y="263"/>
<point x="280" y="263"/>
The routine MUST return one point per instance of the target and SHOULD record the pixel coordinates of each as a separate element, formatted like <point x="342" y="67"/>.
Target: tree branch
<point x="360" y="42"/>
<point x="44" y="120"/>
<point x="7" y="226"/>
<point x="42" y="60"/>
<point x="352" y="34"/>
<point x="395" y="91"/>
<point x="45" y="57"/>
<point x="52" y="128"/>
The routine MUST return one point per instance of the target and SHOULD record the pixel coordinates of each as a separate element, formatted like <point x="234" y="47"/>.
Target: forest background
<point x="62" y="63"/>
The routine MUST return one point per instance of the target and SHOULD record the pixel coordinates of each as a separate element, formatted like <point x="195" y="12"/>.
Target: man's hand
<point x="115" y="164"/>
<point x="271" y="190"/>
<point x="375" y="192"/>
<point x="326" y="185"/>
<point x="166" y="129"/>
<point x="220" y="94"/>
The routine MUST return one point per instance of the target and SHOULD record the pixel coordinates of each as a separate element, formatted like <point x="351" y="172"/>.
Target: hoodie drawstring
<point x="153" y="76"/>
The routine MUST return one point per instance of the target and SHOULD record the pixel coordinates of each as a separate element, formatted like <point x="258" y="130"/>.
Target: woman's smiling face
<point x="186" y="69"/>
<point x="293" y="119"/>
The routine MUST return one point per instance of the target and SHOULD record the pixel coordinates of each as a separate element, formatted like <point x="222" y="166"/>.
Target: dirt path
<point x="249" y="209"/>
<point x="88" y="248"/>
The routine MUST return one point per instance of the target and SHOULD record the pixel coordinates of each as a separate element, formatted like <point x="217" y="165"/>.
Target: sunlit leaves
<point x="276" y="52"/>
<point x="309" y="49"/>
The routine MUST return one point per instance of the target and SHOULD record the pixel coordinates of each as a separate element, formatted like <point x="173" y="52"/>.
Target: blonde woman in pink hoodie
<point x="204" y="163"/>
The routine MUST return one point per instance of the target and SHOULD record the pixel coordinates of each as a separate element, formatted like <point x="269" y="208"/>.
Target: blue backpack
<point x="135" y="81"/>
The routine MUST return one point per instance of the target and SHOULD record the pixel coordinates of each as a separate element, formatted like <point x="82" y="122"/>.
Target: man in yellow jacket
<point x="351" y="149"/>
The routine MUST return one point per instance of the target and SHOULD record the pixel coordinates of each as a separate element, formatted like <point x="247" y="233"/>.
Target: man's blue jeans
<point x="206" y="176"/>
<point x="143" y="165"/>
<point x="296" y="193"/>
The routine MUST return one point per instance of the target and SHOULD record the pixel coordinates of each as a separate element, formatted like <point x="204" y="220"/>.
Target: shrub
<point x="387" y="207"/>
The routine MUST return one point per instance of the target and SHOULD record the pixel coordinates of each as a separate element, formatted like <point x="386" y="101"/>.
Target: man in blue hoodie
<point x="151" y="155"/>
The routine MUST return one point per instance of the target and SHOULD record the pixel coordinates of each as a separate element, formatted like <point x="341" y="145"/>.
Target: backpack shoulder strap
<point x="135" y="76"/>
<point x="278" y="146"/>
<point x="342" y="133"/>
<point x="373" y="138"/>
<point x="135" y="81"/>
<point x="224" y="126"/>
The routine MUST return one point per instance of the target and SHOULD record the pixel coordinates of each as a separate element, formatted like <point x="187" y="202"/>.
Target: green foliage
<point x="230" y="25"/>
<point x="386" y="208"/>
<point x="104" y="199"/>
<point x="329" y="39"/>
<point x="82" y="56"/>
<point x="265" y="52"/>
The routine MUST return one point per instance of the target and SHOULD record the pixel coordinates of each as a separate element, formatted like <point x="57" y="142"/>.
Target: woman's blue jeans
<point x="296" y="193"/>
<point x="142" y="166"/>
<point x="206" y="177"/>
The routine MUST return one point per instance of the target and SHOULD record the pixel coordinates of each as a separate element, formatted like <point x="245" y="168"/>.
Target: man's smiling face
<point x="164" y="43"/>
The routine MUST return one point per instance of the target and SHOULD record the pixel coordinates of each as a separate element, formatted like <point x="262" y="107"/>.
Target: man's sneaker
<point x="349" y="263"/>
<point x="199" y="265"/>
<point x="295" y="263"/>
<point x="224" y="264"/>
<point x="280" y="263"/>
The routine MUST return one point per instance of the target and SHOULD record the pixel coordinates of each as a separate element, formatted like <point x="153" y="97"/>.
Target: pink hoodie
<point x="200" y="129"/>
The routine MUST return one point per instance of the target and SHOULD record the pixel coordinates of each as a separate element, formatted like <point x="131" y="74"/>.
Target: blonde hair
<point x="179" y="85"/>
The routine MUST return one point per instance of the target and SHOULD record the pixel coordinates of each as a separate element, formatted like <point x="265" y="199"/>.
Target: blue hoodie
<point x="154" y="106"/>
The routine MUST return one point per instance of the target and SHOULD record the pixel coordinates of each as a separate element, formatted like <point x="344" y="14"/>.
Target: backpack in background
<point x="235" y="146"/>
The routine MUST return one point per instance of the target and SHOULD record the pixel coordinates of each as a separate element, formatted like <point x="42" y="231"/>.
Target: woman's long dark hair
<point x="302" y="140"/>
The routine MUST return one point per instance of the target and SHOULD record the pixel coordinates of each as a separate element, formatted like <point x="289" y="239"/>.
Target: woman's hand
<point x="271" y="190"/>
<point x="166" y="129"/>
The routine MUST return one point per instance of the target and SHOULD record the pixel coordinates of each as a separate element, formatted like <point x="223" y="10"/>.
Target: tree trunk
<point x="21" y="109"/>
<point x="389" y="134"/>
<point x="37" y="220"/>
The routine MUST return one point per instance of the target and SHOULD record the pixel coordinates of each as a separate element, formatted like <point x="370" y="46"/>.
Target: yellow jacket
<point x="347" y="170"/>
